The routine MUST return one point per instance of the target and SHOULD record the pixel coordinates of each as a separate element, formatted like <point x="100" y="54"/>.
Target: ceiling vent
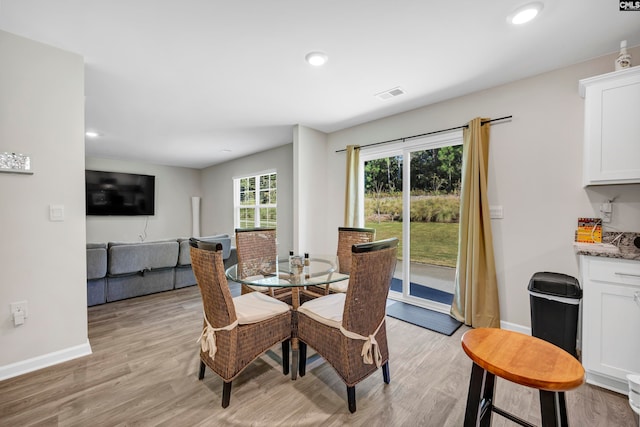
<point x="391" y="93"/>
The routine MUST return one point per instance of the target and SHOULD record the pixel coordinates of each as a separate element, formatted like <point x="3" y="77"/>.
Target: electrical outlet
<point x="606" y="210"/>
<point x="19" y="307"/>
<point x="56" y="212"/>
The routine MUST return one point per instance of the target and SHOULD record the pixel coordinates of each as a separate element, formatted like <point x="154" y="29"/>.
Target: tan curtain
<point x="351" y="205"/>
<point x="475" y="300"/>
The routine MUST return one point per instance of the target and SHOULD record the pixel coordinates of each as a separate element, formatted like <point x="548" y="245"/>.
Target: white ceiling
<point x="180" y="82"/>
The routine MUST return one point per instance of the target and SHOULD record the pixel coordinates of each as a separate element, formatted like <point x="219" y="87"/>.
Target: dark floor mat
<point x="438" y="322"/>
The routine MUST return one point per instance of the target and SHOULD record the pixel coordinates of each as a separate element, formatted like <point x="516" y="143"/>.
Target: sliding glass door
<point x="384" y="203"/>
<point x="412" y="193"/>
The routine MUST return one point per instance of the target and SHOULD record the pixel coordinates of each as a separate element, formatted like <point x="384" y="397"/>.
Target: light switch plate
<point x="496" y="212"/>
<point x="56" y="212"/>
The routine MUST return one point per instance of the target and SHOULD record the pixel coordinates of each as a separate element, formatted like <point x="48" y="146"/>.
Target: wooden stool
<point x="524" y="360"/>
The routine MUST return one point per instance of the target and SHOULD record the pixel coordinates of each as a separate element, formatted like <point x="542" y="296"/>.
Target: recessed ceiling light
<point x="91" y="134"/>
<point x="524" y="14"/>
<point x="317" y="59"/>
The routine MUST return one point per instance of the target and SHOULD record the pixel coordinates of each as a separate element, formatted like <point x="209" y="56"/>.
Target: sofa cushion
<point x="116" y="243"/>
<point x="129" y="286"/>
<point x="96" y="291"/>
<point x="96" y="260"/>
<point x="96" y="246"/>
<point x="184" y="277"/>
<point x="184" y="258"/>
<point x="126" y="258"/>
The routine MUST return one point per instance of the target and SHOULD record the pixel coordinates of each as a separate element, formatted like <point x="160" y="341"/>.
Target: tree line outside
<point x="435" y="202"/>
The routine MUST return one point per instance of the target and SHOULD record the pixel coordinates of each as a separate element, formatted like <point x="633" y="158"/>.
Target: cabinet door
<point x="612" y="129"/>
<point x="611" y="320"/>
<point x="615" y="321"/>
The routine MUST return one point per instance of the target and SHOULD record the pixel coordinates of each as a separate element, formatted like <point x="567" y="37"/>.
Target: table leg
<point x="295" y="345"/>
<point x="294" y="358"/>
<point x="480" y="398"/>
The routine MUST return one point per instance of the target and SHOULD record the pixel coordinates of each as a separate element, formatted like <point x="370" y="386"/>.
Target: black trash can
<point x="555" y="306"/>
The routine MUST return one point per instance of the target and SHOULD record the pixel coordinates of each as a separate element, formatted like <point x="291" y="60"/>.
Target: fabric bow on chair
<point x="370" y="348"/>
<point x="207" y="339"/>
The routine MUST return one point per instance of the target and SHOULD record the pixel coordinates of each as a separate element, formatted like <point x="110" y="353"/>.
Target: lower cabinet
<point x="611" y="320"/>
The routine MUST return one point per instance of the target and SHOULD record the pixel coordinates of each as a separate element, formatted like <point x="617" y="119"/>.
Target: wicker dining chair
<point x="257" y="254"/>
<point x="347" y="237"/>
<point x="236" y="331"/>
<point x="340" y="326"/>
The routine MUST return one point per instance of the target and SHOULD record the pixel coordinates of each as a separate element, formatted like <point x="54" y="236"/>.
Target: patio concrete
<point x="434" y="276"/>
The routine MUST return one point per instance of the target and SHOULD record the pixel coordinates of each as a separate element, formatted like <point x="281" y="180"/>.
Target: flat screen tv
<point x="117" y="193"/>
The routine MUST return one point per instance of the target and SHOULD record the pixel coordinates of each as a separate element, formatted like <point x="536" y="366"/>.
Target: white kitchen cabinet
<point x="612" y="128"/>
<point x="611" y="320"/>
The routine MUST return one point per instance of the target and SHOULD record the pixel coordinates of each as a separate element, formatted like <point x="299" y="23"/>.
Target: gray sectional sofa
<point x="119" y="270"/>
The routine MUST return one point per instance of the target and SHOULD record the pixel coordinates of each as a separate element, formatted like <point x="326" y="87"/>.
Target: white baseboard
<point x="44" y="361"/>
<point x="610" y="383"/>
<point x="515" y="327"/>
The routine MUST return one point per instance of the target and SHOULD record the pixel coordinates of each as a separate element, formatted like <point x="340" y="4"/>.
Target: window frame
<point x="239" y="222"/>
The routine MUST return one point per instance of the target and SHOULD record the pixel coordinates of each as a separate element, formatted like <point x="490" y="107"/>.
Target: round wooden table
<point x="521" y="359"/>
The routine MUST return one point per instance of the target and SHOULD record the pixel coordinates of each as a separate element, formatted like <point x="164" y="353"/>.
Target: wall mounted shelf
<point x="23" y="172"/>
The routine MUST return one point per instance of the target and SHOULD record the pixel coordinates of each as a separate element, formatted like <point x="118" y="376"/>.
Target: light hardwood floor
<point x="143" y="371"/>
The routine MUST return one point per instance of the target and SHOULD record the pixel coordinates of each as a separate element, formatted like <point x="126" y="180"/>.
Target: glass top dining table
<point x="322" y="270"/>
<point x="310" y="282"/>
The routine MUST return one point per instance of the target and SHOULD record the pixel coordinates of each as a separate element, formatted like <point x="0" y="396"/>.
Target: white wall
<point x="217" y="192"/>
<point x="535" y="172"/>
<point x="174" y="188"/>
<point x="42" y="262"/>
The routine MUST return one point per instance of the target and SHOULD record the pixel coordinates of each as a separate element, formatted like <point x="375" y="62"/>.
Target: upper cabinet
<point x="612" y="128"/>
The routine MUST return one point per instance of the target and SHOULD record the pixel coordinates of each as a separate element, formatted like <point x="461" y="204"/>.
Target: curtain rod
<point x="425" y="134"/>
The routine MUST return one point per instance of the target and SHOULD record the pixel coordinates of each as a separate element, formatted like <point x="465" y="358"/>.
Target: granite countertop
<point x="614" y="245"/>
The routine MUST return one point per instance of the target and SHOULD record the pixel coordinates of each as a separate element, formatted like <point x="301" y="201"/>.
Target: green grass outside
<point x="431" y="242"/>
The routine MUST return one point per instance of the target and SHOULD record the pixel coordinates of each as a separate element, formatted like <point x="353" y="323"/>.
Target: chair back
<point x="208" y="269"/>
<point x="256" y="251"/>
<point x="209" y="245"/>
<point x="372" y="268"/>
<point x="347" y="237"/>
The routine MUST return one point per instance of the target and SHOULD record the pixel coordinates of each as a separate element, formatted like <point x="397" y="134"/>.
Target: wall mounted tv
<point x="116" y="193"/>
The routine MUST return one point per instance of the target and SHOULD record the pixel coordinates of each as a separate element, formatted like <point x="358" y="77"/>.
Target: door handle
<point x="636" y="297"/>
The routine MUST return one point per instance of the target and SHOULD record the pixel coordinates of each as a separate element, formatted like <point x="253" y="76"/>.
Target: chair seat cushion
<point x="256" y="306"/>
<point x="326" y="310"/>
<point x="340" y="286"/>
